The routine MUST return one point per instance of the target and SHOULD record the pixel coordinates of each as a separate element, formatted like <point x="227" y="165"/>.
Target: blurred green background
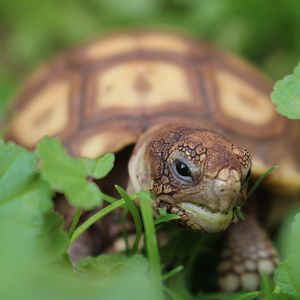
<point x="267" y="32"/>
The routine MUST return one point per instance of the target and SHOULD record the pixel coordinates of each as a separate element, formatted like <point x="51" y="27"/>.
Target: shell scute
<point x="103" y="95"/>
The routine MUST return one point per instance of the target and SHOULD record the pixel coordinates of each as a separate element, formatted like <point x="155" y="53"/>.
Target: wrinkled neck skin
<point x="194" y="173"/>
<point x="139" y="172"/>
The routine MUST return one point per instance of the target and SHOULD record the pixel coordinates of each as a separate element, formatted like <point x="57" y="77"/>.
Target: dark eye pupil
<point x="182" y="169"/>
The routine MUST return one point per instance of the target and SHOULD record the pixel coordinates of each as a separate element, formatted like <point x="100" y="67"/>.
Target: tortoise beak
<point x="211" y="209"/>
<point x="200" y="218"/>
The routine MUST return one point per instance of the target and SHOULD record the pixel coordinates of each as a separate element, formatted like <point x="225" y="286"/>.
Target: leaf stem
<point x="124" y="230"/>
<point x="172" y="272"/>
<point x="150" y="235"/>
<point x="108" y="198"/>
<point x="172" y="294"/>
<point x="259" y="180"/>
<point x="96" y="217"/>
<point x="75" y="221"/>
<point x="166" y="218"/>
<point x="135" y="215"/>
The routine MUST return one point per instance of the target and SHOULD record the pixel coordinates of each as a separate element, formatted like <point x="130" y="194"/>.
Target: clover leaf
<point x="70" y="175"/>
<point x="26" y="211"/>
<point x="286" y="95"/>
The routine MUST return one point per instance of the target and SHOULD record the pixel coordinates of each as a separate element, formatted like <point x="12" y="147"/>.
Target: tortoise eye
<point x="182" y="169"/>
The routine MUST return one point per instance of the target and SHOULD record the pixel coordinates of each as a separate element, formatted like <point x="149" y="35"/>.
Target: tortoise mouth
<point x="205" y="219"/>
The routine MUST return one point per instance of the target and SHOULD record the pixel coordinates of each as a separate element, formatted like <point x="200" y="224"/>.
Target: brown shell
<point x="103" y="95"/>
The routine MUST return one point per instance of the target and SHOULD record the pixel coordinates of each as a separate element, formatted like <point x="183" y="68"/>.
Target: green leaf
<point x="177" y="288"/>
<point x="99" y="167"/>
<point x="267" y="287"/>
<point x="259" y="181"/>
<point x="166" y="218"/>
<point x="173" y="272"/>
<point x="288" y="280"/>
<point x="75" y="221"/>
<point x="135" y="215"/>
<point x="26" y="218"/>
<point x="150" y="235"/>
<point x="96" y="217"/>
<point x="53" y="236"/>
<point x="67" y="175"/>
<point x="229" y="296"/>
<point x="288" y="273"/>
<point x="162" y="212"/>
<point x="151" y="241"/>
<point x="238" y="214"/>
<point x="17" y="171"/>
<point x="105" y="264"/>
<point x="247" y="296"/>
<point x="174" y="295"/>
<point x="286" y="95"/>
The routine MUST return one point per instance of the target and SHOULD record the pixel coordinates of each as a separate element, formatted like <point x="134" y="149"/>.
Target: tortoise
<point x="191" y="111"/>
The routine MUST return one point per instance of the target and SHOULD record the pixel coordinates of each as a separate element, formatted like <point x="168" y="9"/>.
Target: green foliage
<point x="230" y="296"/>
<point x="167" y="218"/>
<point x="100" y="167"/>
<point x="70" y="176"/>
<point x="17" y="171"/>
<point x="96" y="217"/>
<point x="32" y="236"/>
<point x="31" y="233"/>
<point x="288" y="272"/>
<point x="27" y="218"/>
<point x="151" y="241"/>
<point x="106" y="264"/>
<point x="286" y="95"/>
<point x="34" y="31"/>
<point x="136" y="218"/>
<point x="260" y="179"/>
<point x="34" y="243"/>
<point x="288" y="280"/>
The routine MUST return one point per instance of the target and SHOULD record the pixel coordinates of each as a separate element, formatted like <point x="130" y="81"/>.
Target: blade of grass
<point x="266" y="286"/>
<point x="173" y="295"/>
<point x="94" y="218"/>
<point x="124" y="230"/>
<point x="166" y="218"/>
<point x="75" y="221"/>
<point x="108" y="198"/>
<point x="172" y="272"/>
<point x="162" y="211"/>
<point x="228" y="296"/>
<point x="136" y="218"/>
<point x="238" y="213"/>
<point x="150" y="236"/>
<point x="259" y="181"/>
<point x="247" y="296"/>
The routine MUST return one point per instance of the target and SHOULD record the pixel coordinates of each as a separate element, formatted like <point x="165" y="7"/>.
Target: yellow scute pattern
<point x="47" y="113"/>
<point x="125" y="43"/>
<point x="106" y="141"/>
<point x="143" y="83"/>
<point x="239" y="100"/>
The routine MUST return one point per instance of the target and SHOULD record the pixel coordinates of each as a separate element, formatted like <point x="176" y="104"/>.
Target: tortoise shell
<point x="103" y="95"/>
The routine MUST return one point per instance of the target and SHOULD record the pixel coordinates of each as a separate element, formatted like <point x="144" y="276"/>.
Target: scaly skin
<point x="248" y="253"/>
<point x="218" y="174"/>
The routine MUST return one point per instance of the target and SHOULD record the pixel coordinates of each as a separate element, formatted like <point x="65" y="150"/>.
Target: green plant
<point x="34" y="256"/>
<point x="286" y="95"/>
<point x="34" y="242"/>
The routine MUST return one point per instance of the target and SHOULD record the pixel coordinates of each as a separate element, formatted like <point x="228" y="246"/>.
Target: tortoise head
<point x="195" y="173"/>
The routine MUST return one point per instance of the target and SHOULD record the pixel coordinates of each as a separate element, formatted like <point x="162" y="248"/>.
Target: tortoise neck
<point x="139" y="175"/>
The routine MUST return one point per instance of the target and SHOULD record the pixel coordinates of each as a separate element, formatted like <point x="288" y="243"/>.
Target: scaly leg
<point x="248" y="252"/>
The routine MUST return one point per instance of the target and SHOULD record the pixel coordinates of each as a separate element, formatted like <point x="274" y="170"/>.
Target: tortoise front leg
<point x="248" y="252"/>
